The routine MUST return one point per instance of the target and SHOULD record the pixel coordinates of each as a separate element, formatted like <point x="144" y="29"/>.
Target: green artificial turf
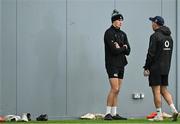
<point x="130" y="121"/>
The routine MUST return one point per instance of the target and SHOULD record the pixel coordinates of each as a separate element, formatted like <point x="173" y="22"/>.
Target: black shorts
<point x="158" y="80"/>
<point x="115" y="72"/>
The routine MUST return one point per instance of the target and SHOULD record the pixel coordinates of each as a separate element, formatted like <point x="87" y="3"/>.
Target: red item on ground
<point x="152" y="115"/>
<point x="2" y="119"/>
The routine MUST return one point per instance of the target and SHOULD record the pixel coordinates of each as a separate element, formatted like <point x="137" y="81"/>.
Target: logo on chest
<point x="166" y="45"/>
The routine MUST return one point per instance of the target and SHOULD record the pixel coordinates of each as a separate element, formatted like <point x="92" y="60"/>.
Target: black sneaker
<point x="175" y="116"/>
<point x="28" y="116"/>
<point x="108" y="117"/>
<point x="42" y="117"/>
<point x="118" y="117"/>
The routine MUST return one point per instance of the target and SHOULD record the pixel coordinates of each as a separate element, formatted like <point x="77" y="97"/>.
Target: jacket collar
<point x="114" y="28"/>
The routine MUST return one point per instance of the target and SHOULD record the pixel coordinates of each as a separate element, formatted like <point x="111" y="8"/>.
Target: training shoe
<point x="156" y="118"/>
<point x="175" y="116"/>
<point x="118" y="117"/>
<point x="24" y="117"/>
<point x="152" y="115"/>
<point x="28" y="116"/>
<point x="88" y="116"/>
<point x="108" y="117"/>
<point x="42" y="117"/>
<point x="166" y="115"/>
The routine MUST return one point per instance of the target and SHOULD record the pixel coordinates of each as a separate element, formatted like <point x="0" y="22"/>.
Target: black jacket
<point x="115" y="56"/>
<point x="160" y="51"/>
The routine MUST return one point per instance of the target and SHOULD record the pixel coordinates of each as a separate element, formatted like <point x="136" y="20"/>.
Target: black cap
<point x="158" y="20"/>
<point x="116" y="16"/>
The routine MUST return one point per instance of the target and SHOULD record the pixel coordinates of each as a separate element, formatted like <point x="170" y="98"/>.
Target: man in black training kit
<point x="157" y="65"/>
<point x="116" y="49"/>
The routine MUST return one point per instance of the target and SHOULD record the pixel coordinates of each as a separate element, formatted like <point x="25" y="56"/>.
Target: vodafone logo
<point x="166" y="43"/>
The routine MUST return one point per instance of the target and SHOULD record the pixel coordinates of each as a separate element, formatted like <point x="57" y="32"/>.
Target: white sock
<point x="108" y="110"/>
<point x="114" y="110"/>
<point x="159" y="112"/>
<point x="173" y="109"/>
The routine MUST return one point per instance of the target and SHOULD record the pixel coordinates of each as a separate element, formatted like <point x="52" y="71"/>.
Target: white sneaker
<point x="88" y="116"/>
<point x="156" y="118"/>
<point x="24" y="117"/>
<point x="166" y="115"/>
<point x="12" y="118"/>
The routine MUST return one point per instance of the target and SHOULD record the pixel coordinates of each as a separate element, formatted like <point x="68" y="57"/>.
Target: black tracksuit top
<point x="160" y="51"/>
<point x="116" y="57"/>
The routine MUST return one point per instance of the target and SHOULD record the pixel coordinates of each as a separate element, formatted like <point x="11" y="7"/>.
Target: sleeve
<point x="109" y="41"/>
<point x="128" y="49"/>
<point x="151" y="53"/>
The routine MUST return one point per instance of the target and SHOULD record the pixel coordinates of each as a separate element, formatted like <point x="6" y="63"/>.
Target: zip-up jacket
<point x="116" y="56"/>
<point x="160" y="51"/>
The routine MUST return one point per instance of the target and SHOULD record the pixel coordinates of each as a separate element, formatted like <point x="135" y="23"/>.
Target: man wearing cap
<point x="157" y="65"/>
<point x="116" y="49"/>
